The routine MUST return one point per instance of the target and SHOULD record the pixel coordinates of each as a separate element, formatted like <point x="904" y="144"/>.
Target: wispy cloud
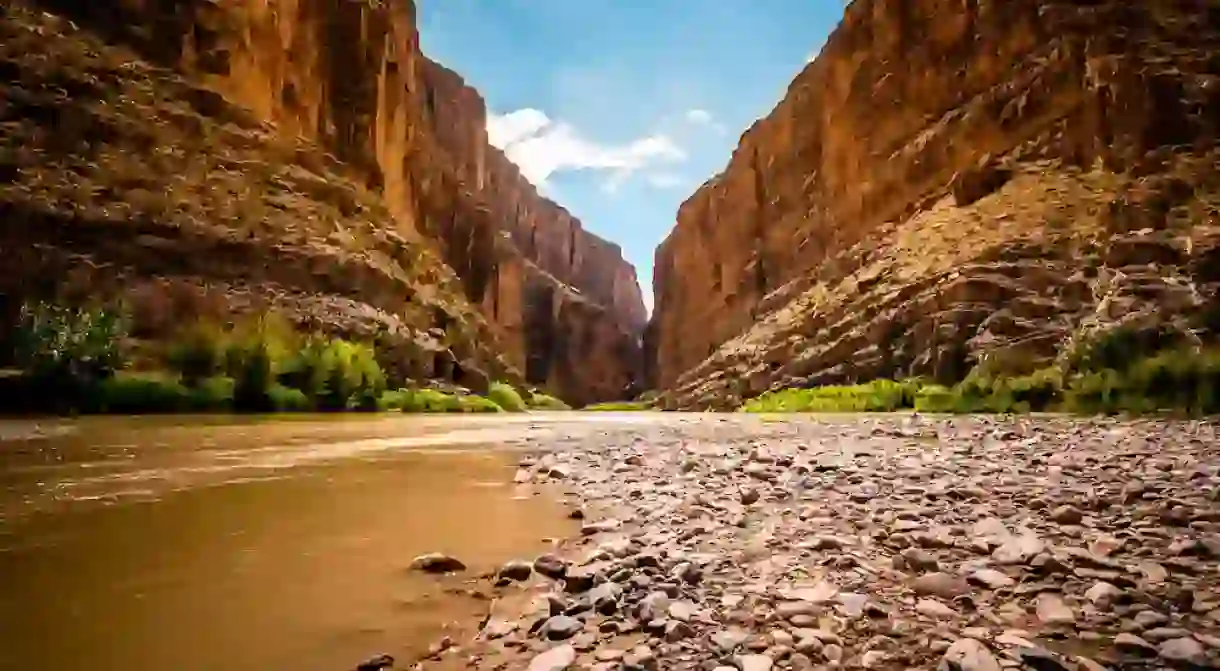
<point x="704" y="119"/>
<point x="541" y="147"/>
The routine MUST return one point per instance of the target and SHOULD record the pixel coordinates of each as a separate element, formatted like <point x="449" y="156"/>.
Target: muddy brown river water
<point x="202" y="544"/>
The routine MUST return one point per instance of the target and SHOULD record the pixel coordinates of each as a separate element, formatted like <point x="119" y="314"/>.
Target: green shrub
<point x="618" y="406"/>
<point x="213" y="394"/>
<point x="1095" y="392"/>
<point x="199" y="352"/>
<point x="936" y="398"/>
<point x="287" y="399"/>
<point x="392" y="399"/>
<point x="137" y="393"/>
<point x="430" y="400"/>
<point x="540" y="401"/>
<point x="64" y="353"/>
<point x="506" y="397"/>
<point x="875" y="396"/>
<point x="478" y="404"/>
<point x="336" y="374"/>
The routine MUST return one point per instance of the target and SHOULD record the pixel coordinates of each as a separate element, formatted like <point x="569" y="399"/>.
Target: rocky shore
<point x="895" y="542"/>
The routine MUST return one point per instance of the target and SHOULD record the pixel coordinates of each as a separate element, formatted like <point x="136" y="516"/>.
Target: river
<point x="242" y="544"/>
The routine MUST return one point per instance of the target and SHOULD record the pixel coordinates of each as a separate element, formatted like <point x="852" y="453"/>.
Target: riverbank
<point x="875" y="542"/>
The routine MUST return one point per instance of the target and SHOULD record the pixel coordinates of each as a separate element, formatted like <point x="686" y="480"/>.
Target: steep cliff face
<point x="564" y="264"/>
<point x="946" y="179"/>
<point x="303" y="129"/>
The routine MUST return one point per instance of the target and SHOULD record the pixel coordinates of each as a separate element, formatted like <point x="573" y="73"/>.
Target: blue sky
<point x="620" y="109"/>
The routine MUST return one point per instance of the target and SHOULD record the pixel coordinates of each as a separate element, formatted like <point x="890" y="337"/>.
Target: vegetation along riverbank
<point x="84" y="360"/>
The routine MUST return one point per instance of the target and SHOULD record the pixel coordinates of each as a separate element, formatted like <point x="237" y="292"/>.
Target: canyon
<point x="211" y="159"/>
<point x="947" y="183"/>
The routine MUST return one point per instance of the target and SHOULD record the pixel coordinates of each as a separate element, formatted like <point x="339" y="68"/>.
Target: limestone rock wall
<point x="916" y="118"/>
<point x="347" y="77"/>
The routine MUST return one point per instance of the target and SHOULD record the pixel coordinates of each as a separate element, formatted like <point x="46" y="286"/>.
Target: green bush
<point x="213" y="394"/>
<point x="199" y="352"/>
<point x="140" y="393"/>
<point x="64" y="353"/>
<point x="540" y="401"/>
<point x="936" y="398"/>
<point x="875" y="396"/>
<point x="432" y="400"/>
<point x="618" y="406"/>
<point x="1095" y="392"/>
<point x="478" y="404"/>
<point x="287" y="399"/>
<point x="506" y="397"/>
<point x="336" y="374"/>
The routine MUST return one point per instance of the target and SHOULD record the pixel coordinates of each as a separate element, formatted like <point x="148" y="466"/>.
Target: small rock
<point x="728" y="640"/>
<point x="1183" y="650"/>
<point x="968" y="654"/>
<point x="991" y="578"/>
<point x="551" y="566"/>
<point x="561" y="627"/>
<point x="1051" y="609"/>
<point x="558" y="658"/>
<point x="1129" y="642"/>
<point x="920" y="560"/>
<point x="676" y="630"/>
<point x="436" y="562"/>
<point x="376" y="663"/>
<point x="934" y="608"/>
<point x="517" y="570"/>
<point x="1102" y="594"/>
<point x="755" y="663"/>
<point x="1067" y="515"/>
<point x="938" y="584"/>
<point x="592" y="528"/>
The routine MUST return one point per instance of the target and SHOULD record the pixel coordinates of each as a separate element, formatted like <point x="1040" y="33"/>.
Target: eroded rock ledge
<point x="944" y="180"/>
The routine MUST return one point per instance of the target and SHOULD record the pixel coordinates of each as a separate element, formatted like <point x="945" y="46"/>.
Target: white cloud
<point x="702" y="117"/>
<point x="541" y="146"/>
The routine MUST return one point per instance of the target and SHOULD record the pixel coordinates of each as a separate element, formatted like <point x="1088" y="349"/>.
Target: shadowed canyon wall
<point x="947" y="179"/>
<point x="347" y="178"/>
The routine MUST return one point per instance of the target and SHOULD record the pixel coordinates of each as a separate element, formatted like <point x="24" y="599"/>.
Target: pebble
<point x="437" y="562"/>
<point x="968" y="654"/>
<point x="1183" y="650"/>
<point x="556" y="659"/>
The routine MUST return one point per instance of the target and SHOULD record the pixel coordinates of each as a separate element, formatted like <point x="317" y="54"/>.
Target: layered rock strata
<point x="946" y="180"/>
<point x="291" y="154"/>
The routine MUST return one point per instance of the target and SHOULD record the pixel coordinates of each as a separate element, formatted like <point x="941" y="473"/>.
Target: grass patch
<point x="540" y="401"/>
<point x="875" y="396"/>
<point x="505" y="396"/>
<point x="619" y="406"/>
<point x="1108" y="377"/>
<point x="435" y="401"/>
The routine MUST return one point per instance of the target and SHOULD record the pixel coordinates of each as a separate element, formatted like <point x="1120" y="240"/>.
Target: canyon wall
<point x="337" y="94"/>
<point x="948" y="179"/>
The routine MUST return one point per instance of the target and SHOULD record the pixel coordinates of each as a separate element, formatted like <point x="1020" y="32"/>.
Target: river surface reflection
<point x="242" y="544"/>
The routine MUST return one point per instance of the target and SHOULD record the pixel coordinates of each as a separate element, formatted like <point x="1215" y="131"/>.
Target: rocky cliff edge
<point x="200" y="157"/>
<point x="947" y="180"/>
